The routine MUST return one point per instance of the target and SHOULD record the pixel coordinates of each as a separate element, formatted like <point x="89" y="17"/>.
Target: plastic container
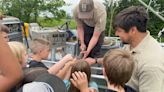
<point x="55" y="37"/>
<point x="72" y="48"/>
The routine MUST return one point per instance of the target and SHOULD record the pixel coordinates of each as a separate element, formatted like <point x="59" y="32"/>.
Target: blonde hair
<point x="39" y="44"/>
<point x="17" y="48"/>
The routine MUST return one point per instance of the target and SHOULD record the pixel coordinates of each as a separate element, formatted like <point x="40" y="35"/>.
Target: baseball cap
<point x="86" y="8"/>
<point x="44" y="83"/>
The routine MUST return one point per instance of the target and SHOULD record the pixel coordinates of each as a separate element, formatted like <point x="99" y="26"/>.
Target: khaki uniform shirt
<point x="99" y="17"/>
<point x="148" y="75"/>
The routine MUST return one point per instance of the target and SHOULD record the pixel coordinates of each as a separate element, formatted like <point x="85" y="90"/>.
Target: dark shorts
<point x="88" y="33"/>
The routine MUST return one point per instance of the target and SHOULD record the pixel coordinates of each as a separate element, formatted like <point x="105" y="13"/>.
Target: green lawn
<point x="56" y="23"/>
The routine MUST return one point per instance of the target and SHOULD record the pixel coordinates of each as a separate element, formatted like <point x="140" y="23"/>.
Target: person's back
<point x="35" y="63"/>
<point x="118" y="68"/>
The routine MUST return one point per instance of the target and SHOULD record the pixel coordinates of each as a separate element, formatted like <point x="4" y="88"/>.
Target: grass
<point x="56" y="23"/>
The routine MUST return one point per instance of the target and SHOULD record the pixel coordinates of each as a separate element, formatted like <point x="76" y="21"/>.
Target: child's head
<point x="118" y="65"/>
<point x="19" y="50"/>
<point x="4" y="30"/>
<point x="40" y="47"/>
<point x="82" y="66"/>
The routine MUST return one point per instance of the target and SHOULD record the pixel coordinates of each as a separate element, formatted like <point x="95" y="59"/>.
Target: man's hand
<point x="82" y="47"/>
<point x="90" y="61"/>
<point x="86" y="53"/>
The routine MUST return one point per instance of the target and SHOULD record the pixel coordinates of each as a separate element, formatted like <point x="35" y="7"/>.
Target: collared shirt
<point x="148" y="75"/>
<point x="99" y="17"/>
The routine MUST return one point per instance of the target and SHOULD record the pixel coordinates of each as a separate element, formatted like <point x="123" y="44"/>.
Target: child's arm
<point x="66" y="69"/>
<point x="55" y="68"/>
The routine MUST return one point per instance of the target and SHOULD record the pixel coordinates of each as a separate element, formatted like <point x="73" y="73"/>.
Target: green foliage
<point x="111" y="6"/>
<point x="154" y="24"/>
<point x="29" y="10"/>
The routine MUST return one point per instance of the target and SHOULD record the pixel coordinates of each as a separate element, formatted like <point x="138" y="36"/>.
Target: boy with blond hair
<point x="40" y="49"/>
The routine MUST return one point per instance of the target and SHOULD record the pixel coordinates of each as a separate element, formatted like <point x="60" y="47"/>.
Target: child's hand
<point x="68" y="57"/>
<point x="71" y="63"/>
<point x="79" y="80"/>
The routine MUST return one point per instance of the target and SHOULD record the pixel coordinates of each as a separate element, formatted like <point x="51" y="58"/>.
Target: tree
<point x="154" y="24"/>
<point x="111" y="6"/>
<point x="29" y="10"/>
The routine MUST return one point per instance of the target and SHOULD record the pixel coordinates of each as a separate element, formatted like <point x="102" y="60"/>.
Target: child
<point x="82" y="66"/>
<point x="40" y="49"/>
<point x="118" y="67"/>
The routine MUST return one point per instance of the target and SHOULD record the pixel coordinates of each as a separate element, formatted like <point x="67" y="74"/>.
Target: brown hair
<point x="82" y="66"/>
<point x="132" y="16"/>
<point x="39" y="44"/>
<point x="4" y="28"/>
<point x="118" y="65"/>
